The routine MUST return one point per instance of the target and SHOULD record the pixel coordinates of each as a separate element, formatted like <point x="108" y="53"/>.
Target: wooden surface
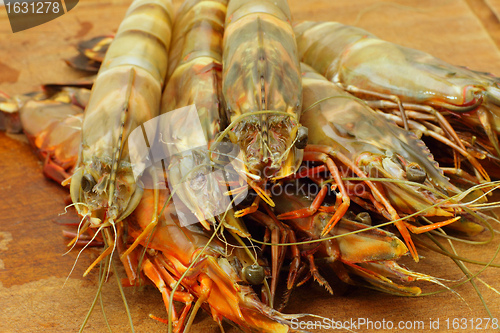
<point x="33" y="296"/>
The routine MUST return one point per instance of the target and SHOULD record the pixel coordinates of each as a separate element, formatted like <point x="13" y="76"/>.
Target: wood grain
<point x="32" y="268"/>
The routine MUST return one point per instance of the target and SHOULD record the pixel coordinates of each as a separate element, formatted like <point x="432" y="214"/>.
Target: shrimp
<point x="370" y="246"/>
<point x="262" y="89"/>
<point x="53" y="129"/>
<point x="221" y="278"/>
<point x="406" y="80"/>
<point x="51" y="122"/>
<point x="346" y="130"/>
<point x="195" y="78"/>
<point x="126" y="93"/>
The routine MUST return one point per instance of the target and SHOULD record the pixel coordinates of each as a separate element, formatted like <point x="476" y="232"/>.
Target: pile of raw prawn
<point x="222" y="145"/>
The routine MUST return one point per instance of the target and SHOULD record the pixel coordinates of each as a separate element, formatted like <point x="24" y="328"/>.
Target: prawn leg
<point x="280" y="233"/>
<point x="305" y="212"/>
<point x="155" y="275"/>
<point x="456" y="144"/>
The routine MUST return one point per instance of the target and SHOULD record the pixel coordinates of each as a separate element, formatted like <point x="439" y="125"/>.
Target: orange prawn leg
<point x="167" y="277"/>
<point x="266" y="239"/>
<point x="82" y="240"/>
<point x="129" y="261"/>
<point x="464" y="175"/>
<point x="306" y="278"/>
<point x="315" y="274"/>
<point x="425" y="228"/>
<point x="203" y="292"/>
<point x="104" y="253"/>
<point x="261" y="193"/>
<point x="308" y="172"/>
<point x="154" y="275"/>
<point x="373" y="205"/>
<point x="332" y="209"/>
<point x="305" y="212"/>
<point x="406" y="236"/>
<point x="376" y="190"/>
<point x="293" y="272"/>
<point x="277" y="252"/>
<point x="312" y="153"/>
<point x="379" y="208"/>
<point x="54" y="171"/>
<point x="148" y="230"/>
<point x="249" y="210"/>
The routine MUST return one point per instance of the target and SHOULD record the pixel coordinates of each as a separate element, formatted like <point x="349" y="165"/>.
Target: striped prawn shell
<point x="195" y="63"/>
<point x="349" y="126"/>
<point x="261" y="72"/>
<point x="195" y="79"/>
<point x="126" y="93"/>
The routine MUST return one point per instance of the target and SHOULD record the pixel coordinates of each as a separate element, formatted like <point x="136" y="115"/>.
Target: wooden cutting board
<point x="35" y="291"/>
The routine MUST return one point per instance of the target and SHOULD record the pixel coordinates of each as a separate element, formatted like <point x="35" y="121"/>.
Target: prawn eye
<point x="227" y="149"/>
<point x="88" y="182"/>
<point x="364" y="218"/>
<point x="254" y="274"/>
<point x="225" y="146"/>
<point x="397" y="161"/>
<point x="302" y="136"/>
<point x="415" y="173"/>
